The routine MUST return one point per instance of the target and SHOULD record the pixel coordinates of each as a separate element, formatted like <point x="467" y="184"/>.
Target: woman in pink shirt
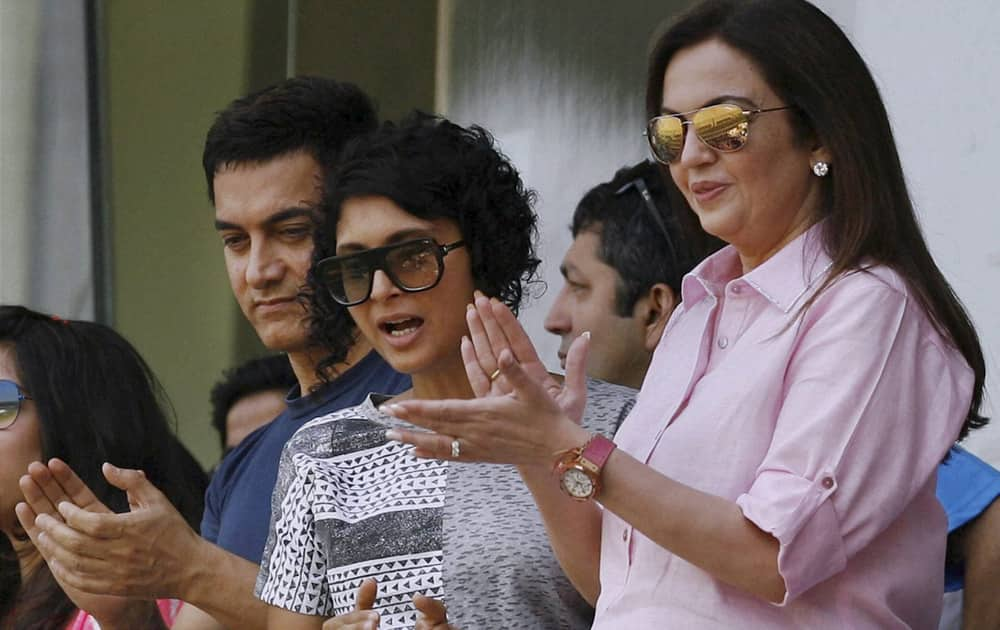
<point x="778" y="469"/>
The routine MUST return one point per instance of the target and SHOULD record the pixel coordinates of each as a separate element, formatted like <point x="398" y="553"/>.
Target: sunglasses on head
<point x="412" y="266"/>
<point x="640" y="186"/>
<point x="724" y="127"/>
<point x="10" y="402"/>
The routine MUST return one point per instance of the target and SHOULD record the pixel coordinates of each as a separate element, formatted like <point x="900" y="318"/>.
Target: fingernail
<point x="586" y="334"/>
<point x="388" y="408"/>
<point x="393" y="435"/>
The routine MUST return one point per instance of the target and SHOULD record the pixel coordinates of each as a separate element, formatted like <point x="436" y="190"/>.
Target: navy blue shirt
<point x="238" y="500"/>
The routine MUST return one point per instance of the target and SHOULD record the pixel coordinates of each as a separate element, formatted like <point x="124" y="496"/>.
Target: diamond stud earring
<point x="820" y="169"/>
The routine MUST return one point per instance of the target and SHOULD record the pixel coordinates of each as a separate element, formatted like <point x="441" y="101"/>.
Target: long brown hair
<point x="97" y="401"/>
<point x="810" y="63"/>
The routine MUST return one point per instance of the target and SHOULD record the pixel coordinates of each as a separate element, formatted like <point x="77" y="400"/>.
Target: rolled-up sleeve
<point x="872" y="400"/>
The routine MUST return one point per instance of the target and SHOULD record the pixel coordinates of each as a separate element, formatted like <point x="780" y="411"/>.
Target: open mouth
<point x="402" y="327"/>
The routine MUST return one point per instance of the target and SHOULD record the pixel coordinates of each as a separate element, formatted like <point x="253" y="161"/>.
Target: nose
<point x="382" y="286"/>
<point x="263" y="267"/>
<point x="693" y="150"/>
<point x="558" y="321"/>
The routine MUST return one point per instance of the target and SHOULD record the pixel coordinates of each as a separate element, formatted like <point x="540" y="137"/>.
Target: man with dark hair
<point x="622" y="274"/>
<point x="248" y="397"/>
<point x="265" y="159"/>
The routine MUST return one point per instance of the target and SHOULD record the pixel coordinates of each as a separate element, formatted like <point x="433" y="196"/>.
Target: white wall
<point x="560" y="85"/>
<point x="936" y="64"/>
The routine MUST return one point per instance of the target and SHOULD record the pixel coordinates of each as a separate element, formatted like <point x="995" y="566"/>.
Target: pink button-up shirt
<point x="825" y="427"/>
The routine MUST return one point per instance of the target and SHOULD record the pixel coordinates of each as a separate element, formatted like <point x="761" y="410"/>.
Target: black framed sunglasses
<point x="724" y="127"/>
<point x="10" y="402"/>
<point x="639" y="184"/>
<point x="412" y="266"/>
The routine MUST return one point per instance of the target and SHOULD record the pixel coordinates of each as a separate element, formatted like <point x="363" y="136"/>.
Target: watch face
<point x="577" y="483"/>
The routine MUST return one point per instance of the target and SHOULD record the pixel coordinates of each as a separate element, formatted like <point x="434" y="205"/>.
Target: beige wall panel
<point x="171" y="65"/>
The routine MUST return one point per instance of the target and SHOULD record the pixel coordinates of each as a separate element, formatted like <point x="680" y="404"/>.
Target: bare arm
<point x="149" y="552"/>
<point x="288" y="620"/>
<point x="981" y="549"/>
<point x="574" y="530"/>
<point x="706" y="530"/>
<point x="221" y="587"/>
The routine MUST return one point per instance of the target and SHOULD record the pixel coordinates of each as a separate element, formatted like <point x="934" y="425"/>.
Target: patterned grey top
<point x="350" y="505"/>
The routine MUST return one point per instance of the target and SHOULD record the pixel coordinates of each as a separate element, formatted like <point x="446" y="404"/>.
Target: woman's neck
<point x="442" y="382"/>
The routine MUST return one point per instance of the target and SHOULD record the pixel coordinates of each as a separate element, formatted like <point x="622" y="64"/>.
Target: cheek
<point x="17" y="450"/>
<point x="235" y="268"/>
<point x="301" y="260"/>
<point x="360" y="316"/>
<point x="679" y="174"/>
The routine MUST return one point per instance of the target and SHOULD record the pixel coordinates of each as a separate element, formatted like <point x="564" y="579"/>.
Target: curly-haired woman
<point x="419" y="218"/>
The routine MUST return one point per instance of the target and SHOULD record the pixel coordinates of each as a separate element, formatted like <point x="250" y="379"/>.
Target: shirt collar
<point x="783" y="279"/>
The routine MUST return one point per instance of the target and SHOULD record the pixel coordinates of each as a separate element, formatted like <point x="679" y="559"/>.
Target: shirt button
<point x="723" y="342"/>
<point x="624" y="535"/>
<point x="737" y="289"/>
<point x="827" y="482"/>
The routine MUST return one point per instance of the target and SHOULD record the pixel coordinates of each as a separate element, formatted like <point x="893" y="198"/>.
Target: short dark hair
<point x="632" y="241"/>
<point x="812" y="66"/>
<point x="310" y="114"/>
<point x="97" y="401"/>
<point x="256" y="375"/>
<point x="433" y="168"/>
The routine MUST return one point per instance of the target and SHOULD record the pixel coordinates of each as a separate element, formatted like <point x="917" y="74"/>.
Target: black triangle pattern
<point x="359" y="506"/>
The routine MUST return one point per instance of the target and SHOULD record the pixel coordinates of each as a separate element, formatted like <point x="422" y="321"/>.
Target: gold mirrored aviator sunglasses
<point x="724" y="127"/>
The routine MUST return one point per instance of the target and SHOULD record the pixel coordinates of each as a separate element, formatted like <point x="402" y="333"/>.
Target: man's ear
<point x="659" y="302"/>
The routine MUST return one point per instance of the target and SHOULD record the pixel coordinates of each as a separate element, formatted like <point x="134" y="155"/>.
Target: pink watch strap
<point x="598" y="450"/>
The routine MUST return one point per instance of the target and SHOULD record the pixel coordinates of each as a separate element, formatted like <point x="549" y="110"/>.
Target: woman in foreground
<point x="419" y="218"/>
<point x="77" y="391"/>
<point x="778" y="469"/>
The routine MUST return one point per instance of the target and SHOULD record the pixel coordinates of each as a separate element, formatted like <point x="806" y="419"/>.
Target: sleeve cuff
<point x="799" y="514"/>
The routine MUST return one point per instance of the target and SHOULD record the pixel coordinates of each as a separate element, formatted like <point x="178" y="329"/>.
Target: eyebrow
<point x="396" y="237"/>
<point x="281" y="216"/>
<point x="725" y="98"/>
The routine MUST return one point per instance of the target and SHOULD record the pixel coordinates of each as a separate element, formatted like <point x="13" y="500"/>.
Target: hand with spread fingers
<point x="94" y="550"/>
<point x="521" y="414"/>
<point x="363" y="617"/>
<point x="42" y="498"/>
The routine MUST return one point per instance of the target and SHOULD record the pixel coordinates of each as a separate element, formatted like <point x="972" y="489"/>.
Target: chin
<point x="280" y="342"/>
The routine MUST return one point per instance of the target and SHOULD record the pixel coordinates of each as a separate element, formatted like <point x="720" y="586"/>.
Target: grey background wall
<point x="562" y="86"/>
